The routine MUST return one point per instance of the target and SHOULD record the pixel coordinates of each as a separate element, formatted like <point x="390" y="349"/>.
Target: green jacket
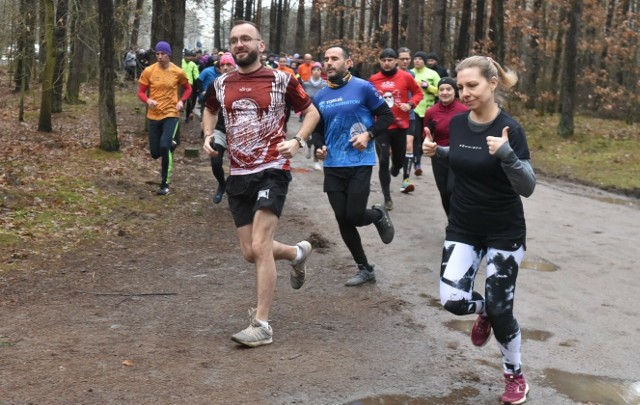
<point x="430" y="76"/>
<point x="191" y="69"/>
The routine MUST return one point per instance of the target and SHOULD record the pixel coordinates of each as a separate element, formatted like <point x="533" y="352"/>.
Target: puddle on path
<point x="460" y="396"/>
<point x="538" y="264"/>
<point x="593" y="389"/>
<point x="527" y="334"/>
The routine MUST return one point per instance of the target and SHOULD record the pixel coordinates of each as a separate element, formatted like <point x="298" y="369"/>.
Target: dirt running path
<point x="148" y="320"/>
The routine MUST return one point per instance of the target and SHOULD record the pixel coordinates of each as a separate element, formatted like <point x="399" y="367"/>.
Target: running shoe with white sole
<point x="363" y="275"/>
<point x="407" y="187"/>
<point x="254" y="335"/>
<point x="298" y="271"/>
<point x="516" y="389"/>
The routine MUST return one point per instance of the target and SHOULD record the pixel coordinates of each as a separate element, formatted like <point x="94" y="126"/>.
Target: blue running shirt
<point x="347" y="111"/>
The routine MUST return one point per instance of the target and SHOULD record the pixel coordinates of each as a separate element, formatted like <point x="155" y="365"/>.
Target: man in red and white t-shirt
<point x="253" y="100"/>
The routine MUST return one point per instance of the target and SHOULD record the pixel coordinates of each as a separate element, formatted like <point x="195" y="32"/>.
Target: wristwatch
<point x="300" y="141"/>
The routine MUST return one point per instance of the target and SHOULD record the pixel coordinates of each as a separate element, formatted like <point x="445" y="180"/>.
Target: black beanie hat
<point x="448" y="80"/>
<point x="432" y="55"/>
<point x="388" y="53"/>
<point x="421" y="55"/>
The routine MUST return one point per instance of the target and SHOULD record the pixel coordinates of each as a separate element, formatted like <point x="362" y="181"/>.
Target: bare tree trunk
<point x="533" y="52"/>
<point x="403" y="22"/>
<point x="79" y="17"/>
<point x="44" y="122"/>
<point x="462" y="47"/>
<point x="285" y="25"/>
<point x="340" y="21"/>
<point x="238" y="14"/>
<point x="167" y="24"/>
<point x="395" y="23"/>
<point x="299" y="44"/>
<point x="496" y="32"/>
<point x="106" y="99"/>
<point x="42" y="46"/>
<point x="479" y="28"/>
<point x="384" y="24"/>
<point x="60" y="38"/>
<point x="273" y="25"/>
<point x="26" y="39"/>
<point x="414" y="31"/>
<point x="557" y="57"/>
<point x="217" y="28"/>
<point x="277" y="47"/>
<point x="331" y="24"/>
<point x="362" y="20"/>
<point x="315" y="33"/>
<point x="135" y="29"/>
<point x="247" y="10"/>
<point x="569" y="71"/>
<point x="374" y="22"/>
<point x="259" y="13"/>
<point x="438" y="30"/>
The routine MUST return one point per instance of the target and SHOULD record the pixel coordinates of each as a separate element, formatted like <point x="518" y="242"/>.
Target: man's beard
<point x="250" y="59"/>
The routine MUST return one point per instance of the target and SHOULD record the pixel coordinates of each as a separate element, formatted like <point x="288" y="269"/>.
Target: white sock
<point x="264" y="324"/>
<point x="298" y="255"/>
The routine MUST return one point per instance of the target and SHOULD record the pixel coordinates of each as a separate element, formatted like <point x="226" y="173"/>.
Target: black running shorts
<point x="250" y="192"/>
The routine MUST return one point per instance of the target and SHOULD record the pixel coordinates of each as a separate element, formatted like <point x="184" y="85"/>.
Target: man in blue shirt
<point x="352" y="114"/>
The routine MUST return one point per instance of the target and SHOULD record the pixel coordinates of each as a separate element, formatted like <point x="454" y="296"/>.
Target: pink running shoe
<point x="516" y="389"/>
<point x="481" y="331"/>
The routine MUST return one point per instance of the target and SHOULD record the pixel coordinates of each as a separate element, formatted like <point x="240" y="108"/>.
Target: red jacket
<point x="438" y="117"/>
<point x="400" y="87"/>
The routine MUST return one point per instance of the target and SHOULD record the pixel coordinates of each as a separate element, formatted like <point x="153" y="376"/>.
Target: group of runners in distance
<point x="479" y="157"/>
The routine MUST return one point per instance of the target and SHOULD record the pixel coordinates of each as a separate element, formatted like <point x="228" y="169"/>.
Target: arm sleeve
<point x="187" y="92"/>
<point x="442" y="153"/>
<point x="317" y="137"/>
<point x="142" y="93"/>
<point x="384" y="119"/>
<point x="519" y="171"/>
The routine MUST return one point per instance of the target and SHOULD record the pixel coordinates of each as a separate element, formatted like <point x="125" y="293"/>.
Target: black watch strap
<point x="300" y="141"/>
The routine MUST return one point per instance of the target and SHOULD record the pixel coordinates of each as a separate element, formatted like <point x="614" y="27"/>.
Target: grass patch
<point x="601" y="153"/>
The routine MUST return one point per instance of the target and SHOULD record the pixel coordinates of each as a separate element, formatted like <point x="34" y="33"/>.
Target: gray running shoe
<point x="298" y="271"/>
<point x="388" y="204"/>
<point x="163" y="190"/>
<point x="254" y="335"/>
<point x="384" y="225"/>
<point x="363" y="275"/>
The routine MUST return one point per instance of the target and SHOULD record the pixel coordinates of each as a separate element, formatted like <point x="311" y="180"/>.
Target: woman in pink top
<point x="436" y="121"/>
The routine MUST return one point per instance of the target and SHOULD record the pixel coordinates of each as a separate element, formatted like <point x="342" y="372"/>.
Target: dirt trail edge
<point x="148" y="320"/>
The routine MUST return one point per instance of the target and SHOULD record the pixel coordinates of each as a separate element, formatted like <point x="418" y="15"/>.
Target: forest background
<point x="62" y="86"/>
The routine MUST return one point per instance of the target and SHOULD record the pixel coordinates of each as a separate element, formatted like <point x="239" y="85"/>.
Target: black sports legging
<point x="351" y="212"/>
<point x="444" y="181"/>
<point x="418" y="131"/>
<point x="396" y="140"/>
<point x="216" y="164"/>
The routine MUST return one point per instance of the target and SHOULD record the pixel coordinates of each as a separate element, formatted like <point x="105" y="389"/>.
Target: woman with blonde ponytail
<point x="489" y="157"/>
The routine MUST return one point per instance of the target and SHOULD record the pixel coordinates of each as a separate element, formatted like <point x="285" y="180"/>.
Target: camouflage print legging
<point x="460" y="265"/>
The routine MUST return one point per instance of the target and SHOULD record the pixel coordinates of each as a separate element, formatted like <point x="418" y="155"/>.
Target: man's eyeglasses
<point x="245" y="39"/>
